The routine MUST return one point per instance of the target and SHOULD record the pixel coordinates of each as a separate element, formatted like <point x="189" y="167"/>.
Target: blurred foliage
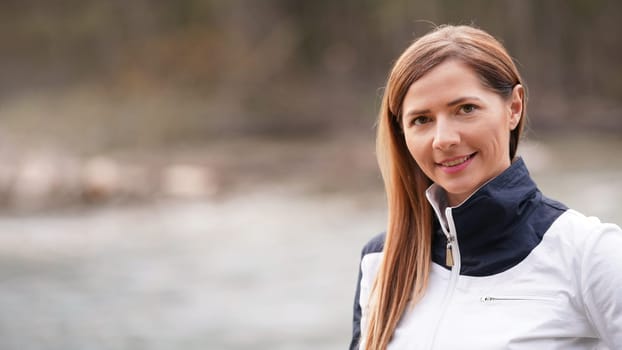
<point x="130" y="72"/>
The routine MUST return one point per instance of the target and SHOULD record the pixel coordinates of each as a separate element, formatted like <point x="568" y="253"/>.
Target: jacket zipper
<point x="449" y="255"/>
<point x="452" y="259"/>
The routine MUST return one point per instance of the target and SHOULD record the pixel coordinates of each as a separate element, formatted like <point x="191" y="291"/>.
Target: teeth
<point x="456" y="161"/>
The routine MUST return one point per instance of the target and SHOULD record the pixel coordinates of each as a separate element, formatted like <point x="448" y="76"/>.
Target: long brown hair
<point x="403" y="274"/>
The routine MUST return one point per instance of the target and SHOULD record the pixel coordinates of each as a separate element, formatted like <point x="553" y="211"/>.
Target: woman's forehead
<point x="443" y="84"/>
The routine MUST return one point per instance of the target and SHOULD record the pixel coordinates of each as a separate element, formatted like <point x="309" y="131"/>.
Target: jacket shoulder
<point x="374" y="245"/>
<point x="554" y="205"/>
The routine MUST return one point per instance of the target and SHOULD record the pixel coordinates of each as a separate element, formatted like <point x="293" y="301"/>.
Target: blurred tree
<point x="157" y="70"/>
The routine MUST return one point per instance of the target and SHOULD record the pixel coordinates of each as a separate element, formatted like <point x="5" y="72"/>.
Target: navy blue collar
<point x="498" y="225"/>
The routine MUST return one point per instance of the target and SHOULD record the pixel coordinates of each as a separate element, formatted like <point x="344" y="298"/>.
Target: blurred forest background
<point x="94" y="77"/>
<point x="100" y="74"/>
<point x="201" y="174"/>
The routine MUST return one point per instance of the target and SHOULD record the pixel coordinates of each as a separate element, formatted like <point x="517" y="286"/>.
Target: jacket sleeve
<point x="601" y="283"/>
<point x="356" y="319"/>
<point x="375" y="245"/>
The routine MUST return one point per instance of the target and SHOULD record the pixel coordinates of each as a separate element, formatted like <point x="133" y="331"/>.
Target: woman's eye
<point x="419" y="120"/>
<point x="468" y="108"/>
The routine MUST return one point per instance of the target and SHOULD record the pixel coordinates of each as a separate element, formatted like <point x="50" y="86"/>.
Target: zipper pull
<point x="449" y="257"/>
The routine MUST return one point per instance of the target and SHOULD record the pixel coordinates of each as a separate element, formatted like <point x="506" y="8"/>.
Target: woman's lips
<point x="456" y="164"/>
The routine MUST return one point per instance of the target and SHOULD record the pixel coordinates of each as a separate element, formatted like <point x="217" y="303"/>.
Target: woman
<point x="474" y="256"/>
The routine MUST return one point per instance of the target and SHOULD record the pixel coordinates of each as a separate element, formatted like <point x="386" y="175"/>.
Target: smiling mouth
<point x="457" y="161"/>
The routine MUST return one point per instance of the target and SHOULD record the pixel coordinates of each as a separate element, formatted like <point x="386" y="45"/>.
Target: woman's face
<point x="457" y="130"/>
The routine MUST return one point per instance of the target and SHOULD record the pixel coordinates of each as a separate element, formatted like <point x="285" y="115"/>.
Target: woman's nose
<point x="446" y="135"/>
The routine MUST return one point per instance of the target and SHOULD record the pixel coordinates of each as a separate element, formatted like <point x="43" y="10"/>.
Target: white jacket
<point x="528" y="274"/>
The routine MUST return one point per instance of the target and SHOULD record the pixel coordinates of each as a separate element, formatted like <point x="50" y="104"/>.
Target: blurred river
<point x="272" y="267"/>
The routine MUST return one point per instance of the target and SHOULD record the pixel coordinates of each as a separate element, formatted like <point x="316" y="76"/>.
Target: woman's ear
<point x="516" y="105"/>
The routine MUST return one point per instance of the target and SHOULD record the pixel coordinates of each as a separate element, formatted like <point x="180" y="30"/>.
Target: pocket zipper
<point x="489" y="299"/>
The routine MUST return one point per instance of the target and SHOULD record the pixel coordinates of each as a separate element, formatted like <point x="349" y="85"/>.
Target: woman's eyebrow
<point x="419" y="112"/>
<point x="462" y="99"/>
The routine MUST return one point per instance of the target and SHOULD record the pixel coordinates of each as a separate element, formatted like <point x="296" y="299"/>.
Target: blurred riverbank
<point x="269" y="262"/>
